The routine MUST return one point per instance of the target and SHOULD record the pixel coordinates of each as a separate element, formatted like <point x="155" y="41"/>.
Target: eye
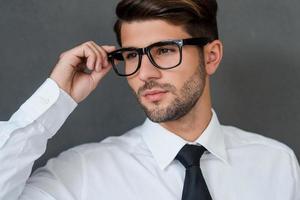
<point x="164" y="50"/>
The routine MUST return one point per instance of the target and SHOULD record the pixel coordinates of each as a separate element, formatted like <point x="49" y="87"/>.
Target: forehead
<point x="143" y="33"/>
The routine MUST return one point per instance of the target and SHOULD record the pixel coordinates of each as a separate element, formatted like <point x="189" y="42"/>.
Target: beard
<point x="184" y="99"/>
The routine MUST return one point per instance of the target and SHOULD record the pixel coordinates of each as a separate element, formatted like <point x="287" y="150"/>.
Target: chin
<point x="154" y="105"/>
<point x="156" y="113"/>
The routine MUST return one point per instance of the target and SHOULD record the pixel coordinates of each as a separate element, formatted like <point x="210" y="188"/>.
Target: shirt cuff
<point x="49" y="105"/>
<point x="46" y="96"/>
<point x="58" y="112"/>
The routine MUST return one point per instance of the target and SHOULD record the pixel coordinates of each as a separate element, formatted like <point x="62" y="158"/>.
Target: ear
<point x="213" y="53"/>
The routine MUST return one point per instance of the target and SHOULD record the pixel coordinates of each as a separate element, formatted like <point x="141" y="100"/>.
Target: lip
<point x="152" y="92"/>
<point x="154" y="95"/>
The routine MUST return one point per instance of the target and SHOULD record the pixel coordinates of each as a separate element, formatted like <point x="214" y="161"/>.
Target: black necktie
<point x="194" y="184"/>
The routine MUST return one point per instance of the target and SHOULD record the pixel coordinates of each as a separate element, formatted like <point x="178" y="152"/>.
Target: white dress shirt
<point x="139" y="165"/>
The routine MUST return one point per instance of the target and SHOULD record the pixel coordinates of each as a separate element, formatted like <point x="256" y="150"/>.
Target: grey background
<point x="256" y="87"/>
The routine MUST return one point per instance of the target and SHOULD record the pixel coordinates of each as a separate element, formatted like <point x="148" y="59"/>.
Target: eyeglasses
<point x="163" y="55"/>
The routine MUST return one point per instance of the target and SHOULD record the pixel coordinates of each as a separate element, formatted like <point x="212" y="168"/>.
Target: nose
<point x="147" y="70"/>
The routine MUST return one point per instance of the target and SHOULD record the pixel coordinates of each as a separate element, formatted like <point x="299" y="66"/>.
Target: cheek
<point x="191" y="58"/>
<point x="175" y="78"/>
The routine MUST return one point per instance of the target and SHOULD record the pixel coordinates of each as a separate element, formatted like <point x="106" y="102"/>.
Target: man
<point x="169" y="51"/>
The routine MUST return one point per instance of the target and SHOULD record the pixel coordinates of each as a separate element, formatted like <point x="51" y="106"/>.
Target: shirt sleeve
<point x="62" y="178"/>
<point x="296" y="170"/>
<point x="24" y="136"/>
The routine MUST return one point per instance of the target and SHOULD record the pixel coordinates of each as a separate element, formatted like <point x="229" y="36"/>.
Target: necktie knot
<point x="190" y="155"/>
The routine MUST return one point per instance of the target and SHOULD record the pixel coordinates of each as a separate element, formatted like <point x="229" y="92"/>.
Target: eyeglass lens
<point x="164" y="56"/>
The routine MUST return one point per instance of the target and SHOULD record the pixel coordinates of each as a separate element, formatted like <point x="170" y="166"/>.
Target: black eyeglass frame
<point x="202" y="41"/>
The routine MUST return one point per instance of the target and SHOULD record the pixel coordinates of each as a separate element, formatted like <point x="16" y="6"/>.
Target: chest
<point x="224" y="184"/>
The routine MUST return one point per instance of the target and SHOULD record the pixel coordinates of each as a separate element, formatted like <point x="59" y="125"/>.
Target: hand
<point x="69" y="71"/>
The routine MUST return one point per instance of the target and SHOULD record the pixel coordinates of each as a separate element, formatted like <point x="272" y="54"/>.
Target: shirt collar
<point x="164" y="145"/>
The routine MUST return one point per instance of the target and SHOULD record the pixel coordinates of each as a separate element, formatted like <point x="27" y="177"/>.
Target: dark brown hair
<point x="197" y="17"/>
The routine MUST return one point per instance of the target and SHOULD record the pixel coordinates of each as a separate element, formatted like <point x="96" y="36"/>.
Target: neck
<point x="192" y="125"/>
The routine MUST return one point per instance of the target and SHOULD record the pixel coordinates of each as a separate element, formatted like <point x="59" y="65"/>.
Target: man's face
<point x="165" y="95"/>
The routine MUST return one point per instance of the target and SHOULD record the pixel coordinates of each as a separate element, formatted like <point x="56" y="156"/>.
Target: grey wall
<point x="256" y="87"/>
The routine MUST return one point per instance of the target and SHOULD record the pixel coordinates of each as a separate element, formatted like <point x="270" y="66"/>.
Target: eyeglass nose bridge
<point x="143" y="51"/>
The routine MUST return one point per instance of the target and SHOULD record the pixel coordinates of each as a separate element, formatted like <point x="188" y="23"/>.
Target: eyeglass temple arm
<point x="117" y="56"/>
<point x="196" y="41"/>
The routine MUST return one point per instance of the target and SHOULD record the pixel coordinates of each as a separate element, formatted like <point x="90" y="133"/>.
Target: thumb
<point x="97" y="76"/>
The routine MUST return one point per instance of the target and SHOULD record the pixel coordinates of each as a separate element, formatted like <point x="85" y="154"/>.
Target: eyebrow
<point x="167" y="40"/>
<point x="123" y="47"/>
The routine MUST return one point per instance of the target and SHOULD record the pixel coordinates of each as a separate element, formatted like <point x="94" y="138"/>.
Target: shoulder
<point x="110" y="148"/>
<point x="127" y="143"/>
<point x="237" y="138"/>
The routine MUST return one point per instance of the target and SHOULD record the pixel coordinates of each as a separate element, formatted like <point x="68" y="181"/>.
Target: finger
<point x="104" y="56"/>
<point x="101" y="56"/>
<point x="78" y="55"/>
<point x="104" y="50"/>
<point x="108" y="49"/>
<point x="90" y="55"/>
<point x="97" y="76"/>
<point x="98" y="62"/>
